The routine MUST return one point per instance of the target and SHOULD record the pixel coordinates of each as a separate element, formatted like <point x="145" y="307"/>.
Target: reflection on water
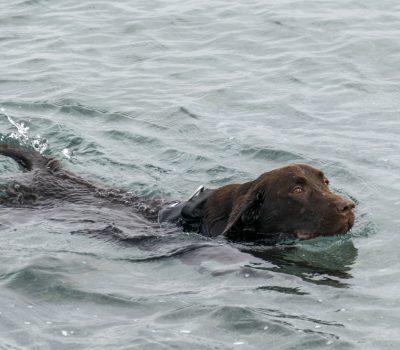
<point x="318" y="262"/>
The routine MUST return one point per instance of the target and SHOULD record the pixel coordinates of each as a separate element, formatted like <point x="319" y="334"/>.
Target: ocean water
<point x="159" y="97"/>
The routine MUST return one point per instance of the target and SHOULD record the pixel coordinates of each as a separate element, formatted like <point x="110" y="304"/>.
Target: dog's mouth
<point x="304" y="234"/>
<point x="342" y="226"/>
<point x="307" y="234"/>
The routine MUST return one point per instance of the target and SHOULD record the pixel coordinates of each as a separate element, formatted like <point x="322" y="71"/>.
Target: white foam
<point x="39" y="144"/>
<point x="238" y="343"/>
<point x="67" y="153"/>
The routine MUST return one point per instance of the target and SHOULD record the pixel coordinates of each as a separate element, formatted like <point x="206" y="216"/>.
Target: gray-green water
<point x="158" y="97"/>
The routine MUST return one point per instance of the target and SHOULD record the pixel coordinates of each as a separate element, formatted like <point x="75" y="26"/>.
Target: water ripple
<point x="161" y="97"/>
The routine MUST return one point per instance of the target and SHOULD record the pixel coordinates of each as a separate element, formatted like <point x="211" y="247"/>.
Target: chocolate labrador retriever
<point x="294" y="199"/>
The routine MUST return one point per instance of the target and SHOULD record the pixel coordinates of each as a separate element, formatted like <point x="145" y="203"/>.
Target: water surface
<point x="160" y="97"/>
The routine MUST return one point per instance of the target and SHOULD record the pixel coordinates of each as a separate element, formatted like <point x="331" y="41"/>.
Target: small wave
<point x="364" y="226"/>
<point x="189" y="113"/>
<point x="173" y="253"/>
<point x="284" y="290"/>
<point x="54" y="286"/>
<point x="271" y="154"/>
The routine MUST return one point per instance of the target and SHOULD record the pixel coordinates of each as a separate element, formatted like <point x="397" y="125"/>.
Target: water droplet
<point x="67" y="153"/>
<point x="64" y="333"/>
<point x="26" y="322"/>
<point x="186" y="331"/>
<point x="265" y="328"/>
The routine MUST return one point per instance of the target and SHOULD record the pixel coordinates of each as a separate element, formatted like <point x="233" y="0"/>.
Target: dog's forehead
<point x="293" y="172"/>
<point x="306" y="170"/>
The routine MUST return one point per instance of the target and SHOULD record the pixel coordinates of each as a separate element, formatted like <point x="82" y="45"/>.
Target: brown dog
<point x="294" y="199"/>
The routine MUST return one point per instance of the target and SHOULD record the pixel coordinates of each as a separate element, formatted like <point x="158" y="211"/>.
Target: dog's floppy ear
<point x="246" y="211"/>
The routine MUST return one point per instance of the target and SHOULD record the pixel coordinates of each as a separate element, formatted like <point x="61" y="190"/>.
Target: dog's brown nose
<point x="344" y="205"/>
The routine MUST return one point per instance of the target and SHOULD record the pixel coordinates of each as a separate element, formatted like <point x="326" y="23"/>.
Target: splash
<point x="67" y="153"/>
<point x="22" y="130"/>
<point x="39" y="143"/>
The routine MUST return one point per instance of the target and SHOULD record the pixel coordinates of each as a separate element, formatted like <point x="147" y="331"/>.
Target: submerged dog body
<point x="294" y="199"/>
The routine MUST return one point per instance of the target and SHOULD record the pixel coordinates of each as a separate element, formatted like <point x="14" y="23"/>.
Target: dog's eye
<point x="298" y="189"/>
<point x="326" y="182"/>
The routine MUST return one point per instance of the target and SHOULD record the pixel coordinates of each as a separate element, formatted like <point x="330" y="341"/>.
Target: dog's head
<point x="295" y="199"/>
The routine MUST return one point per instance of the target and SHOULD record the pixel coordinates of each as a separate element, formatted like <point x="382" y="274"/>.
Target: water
<point x="159" y="97"/>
